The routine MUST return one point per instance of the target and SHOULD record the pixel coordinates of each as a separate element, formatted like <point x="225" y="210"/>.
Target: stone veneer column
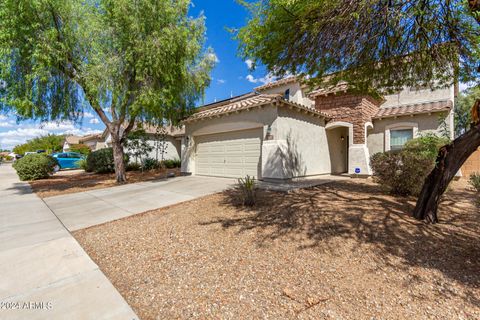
<point x="357" y="110"/>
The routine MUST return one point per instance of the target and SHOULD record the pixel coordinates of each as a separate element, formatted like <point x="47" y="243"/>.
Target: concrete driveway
<point x="44" y="273"/>
<point x="89" y="208"/>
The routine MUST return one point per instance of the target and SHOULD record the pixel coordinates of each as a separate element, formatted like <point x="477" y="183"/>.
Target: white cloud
<point x="2" y="117"/>
<point x="58" y="126"/>
<point x="94" y="121"/>
<point x="251" y="79"/>
<point x="88" y="115"/>
<point x="213" y="57"/>
<point x="249" y="63"/>
<point x="11" y="138"/>
<point x="221" y="81"/>
<point x="82" y="132"/>
<point x="462" y="86"/>
<point x="6" y="124"/>
<point x="264" y="80"/>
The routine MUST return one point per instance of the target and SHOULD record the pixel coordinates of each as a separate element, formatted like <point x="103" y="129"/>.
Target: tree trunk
<point x="450" y="159"/>
<point x="118" y="158"/>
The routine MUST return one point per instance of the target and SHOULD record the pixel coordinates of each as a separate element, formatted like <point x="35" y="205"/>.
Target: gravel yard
<point x="66" y="182"/>
<point x="345" y="250"/>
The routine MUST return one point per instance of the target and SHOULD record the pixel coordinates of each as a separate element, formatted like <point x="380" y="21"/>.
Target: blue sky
<point x="231" y="75"/>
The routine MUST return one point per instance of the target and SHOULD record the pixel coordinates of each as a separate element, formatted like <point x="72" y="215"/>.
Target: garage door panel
<point x="237" y="147"/>
<point x="233" y="154"/>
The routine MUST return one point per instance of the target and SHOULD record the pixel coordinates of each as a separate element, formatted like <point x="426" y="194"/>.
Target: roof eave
<point x="410" y="114"/>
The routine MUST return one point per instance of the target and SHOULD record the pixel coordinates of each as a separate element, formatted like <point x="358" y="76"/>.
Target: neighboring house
<point x="172" y="142"/>
<point x="285" y="130"/>
<point x="93" y="141"/>
<point x="69" y="141"/>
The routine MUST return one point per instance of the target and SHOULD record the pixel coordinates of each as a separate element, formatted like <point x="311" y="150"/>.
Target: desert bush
<point x="475" y="181"/>
<point x="101" y="161"/>
<point x="80" y="148"/>
<point x="426" y="145"/>
<point x="82" y="164"/>
<point x="134" y="166"/>
<point x="172" y="163"/>
<point x="248" y="190"/>
<point x="35" y="166"/>
<point x="403" y="172"/>
<point x="150" y="164"/>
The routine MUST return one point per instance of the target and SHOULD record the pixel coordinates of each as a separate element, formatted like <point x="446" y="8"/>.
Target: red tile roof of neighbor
<point x="71" y="139"/>
<point x="169" y="130"/>
<point x="258" y="100"/>
<point x="412" y="109"/>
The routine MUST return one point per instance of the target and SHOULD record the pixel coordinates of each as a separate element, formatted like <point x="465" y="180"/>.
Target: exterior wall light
<point x="269" y="135"/>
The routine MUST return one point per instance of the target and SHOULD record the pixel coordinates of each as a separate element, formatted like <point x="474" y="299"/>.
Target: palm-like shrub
<point x="248" y="190"/>
<point x="35" y="166"/>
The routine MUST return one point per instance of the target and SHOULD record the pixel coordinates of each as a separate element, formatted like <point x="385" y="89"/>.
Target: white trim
<point x="399" y="126"/>
<point x="368" y="124"/>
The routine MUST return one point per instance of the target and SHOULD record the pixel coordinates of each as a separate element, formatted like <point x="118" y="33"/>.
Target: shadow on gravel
<point x="364" y="213"/>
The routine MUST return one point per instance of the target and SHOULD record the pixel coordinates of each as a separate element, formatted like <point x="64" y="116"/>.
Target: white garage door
<point x="231" y="154"/>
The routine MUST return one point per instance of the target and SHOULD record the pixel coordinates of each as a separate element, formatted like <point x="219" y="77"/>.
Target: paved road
<point x="43" y="270"/>
<point x="85" y="209"/>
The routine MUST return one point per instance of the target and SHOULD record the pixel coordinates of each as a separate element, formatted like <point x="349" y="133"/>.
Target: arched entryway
<point x="339" y="137"/>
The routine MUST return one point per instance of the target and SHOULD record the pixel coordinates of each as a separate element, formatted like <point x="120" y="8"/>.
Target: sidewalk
<point x="44" y="273"/>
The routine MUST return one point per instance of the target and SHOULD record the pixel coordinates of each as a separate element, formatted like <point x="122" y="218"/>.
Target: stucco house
<point x="93" y="141"/>
<point x="69" y="141"/>
<point x="285" y="129"/>
<point x="172" y="147"/>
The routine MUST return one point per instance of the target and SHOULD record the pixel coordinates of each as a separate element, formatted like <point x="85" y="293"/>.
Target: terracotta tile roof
<point x="251" y="102"/>
<point x="412" y="109"/>
<point x="90" y="137"/>
<point x="340" y="87"/>
<point x="276" y="83"/>
<point x="169" y="129"/>
<point x="226" y="101"/>
<point x="72" y="139"/>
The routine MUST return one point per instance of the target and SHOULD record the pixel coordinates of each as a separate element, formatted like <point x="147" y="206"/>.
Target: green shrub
<point x="403" y="172"/>
<point x="35" y="166"/>
<point x="172" y="163"/>
<point x="427" y="145"/>
<point x="80" y="148"/>
<point x="82" y="164"/>
<point x="150" y="164"/>
<point x="101" y="161"/>
<point x="248" y="189"/>
<point x="475" y="181"/>
<point x="134" y="166"/>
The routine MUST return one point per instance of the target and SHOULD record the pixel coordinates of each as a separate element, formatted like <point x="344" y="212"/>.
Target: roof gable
<point x="255" y="101"/>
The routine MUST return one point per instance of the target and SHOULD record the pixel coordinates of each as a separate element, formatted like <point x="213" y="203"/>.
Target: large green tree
<point x="50" y="143"/>
<point x="131" y="61"/>
<point x="463" y="109"/>
<point x="377" y="46"/>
